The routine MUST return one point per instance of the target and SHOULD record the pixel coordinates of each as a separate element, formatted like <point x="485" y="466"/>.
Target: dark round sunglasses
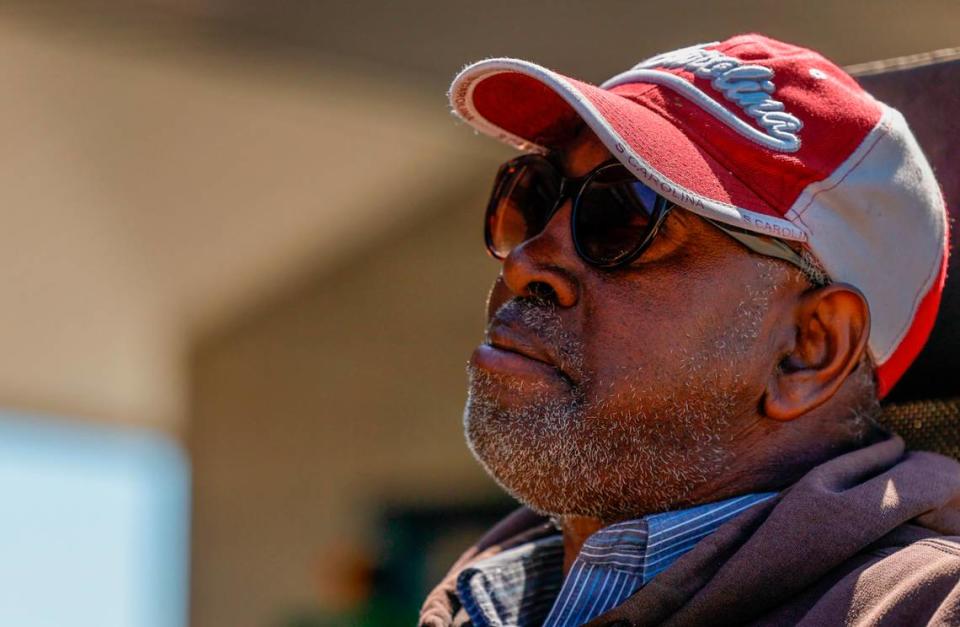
<point x="614" y="216"/>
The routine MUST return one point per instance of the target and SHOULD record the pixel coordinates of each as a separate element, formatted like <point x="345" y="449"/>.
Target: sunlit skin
<point x="788" y="387"/>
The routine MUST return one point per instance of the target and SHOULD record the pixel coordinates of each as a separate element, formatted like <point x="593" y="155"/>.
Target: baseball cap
<point x="765" y="136"/>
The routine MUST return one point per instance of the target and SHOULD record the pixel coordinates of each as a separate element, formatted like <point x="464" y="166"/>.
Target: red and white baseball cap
<point x="762" y="135"/>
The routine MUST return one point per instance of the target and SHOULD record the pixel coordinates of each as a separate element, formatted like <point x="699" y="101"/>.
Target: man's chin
<point x="519" y="444"/>
<point x="538" y="485"/>
<point x="552" y="453"/>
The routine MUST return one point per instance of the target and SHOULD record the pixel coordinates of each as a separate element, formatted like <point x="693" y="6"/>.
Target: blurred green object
<point x="376" y="613"/>
<point x="416" y="546"/>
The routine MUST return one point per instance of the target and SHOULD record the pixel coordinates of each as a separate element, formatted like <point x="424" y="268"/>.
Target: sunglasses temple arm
<point x="763" y="245"/>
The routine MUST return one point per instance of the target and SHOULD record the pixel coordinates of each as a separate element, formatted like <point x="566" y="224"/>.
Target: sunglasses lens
<point x="614" y="216"/>
<point x="523" y="197"/>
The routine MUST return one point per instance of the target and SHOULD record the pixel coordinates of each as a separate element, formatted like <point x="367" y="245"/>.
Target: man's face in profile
<point x="609" y="393"/>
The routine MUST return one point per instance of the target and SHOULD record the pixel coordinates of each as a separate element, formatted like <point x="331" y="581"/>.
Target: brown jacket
<point x="868" y="538"/>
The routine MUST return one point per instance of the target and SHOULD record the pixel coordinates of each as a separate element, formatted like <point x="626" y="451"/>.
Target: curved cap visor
<point x="535" y="109"/>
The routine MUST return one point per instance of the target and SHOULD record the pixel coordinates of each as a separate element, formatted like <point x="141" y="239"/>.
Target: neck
<point x="770" y="456"/>
<point x="576" y="530"/>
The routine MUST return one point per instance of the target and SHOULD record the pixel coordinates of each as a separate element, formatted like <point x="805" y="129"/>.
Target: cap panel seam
<point x="877" y="133"/>
<point x="922" y="288"/>
<point x="801" y="220"/>
<point x="919" y="294"/>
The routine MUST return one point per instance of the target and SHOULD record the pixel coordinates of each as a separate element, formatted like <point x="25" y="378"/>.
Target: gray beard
<point x="569" y="456"/>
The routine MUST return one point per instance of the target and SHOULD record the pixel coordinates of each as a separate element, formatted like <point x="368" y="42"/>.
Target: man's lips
<point x="505" y="338"/>
<point x="507" y="349"/>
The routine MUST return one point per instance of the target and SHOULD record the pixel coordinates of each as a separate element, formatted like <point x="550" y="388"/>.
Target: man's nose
<point x="545" y="265"/>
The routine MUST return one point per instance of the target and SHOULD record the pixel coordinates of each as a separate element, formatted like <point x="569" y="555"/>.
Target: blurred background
<point x="242" y="271"/>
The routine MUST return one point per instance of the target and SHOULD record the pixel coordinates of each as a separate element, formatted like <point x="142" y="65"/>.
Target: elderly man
<point x="713" y="267"/>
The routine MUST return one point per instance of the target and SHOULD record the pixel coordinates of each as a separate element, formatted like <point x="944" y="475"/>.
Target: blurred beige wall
<point x="343" y="398"/>
<point x="154" y="190"/>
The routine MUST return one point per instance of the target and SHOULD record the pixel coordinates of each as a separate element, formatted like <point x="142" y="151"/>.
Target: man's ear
<point x="831" y="327"/>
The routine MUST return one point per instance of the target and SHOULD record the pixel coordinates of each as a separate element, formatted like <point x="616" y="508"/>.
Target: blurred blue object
<point x="94" y="527"/>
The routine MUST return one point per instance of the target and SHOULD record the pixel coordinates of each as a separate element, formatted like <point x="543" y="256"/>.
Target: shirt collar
<point x="525" y="585"/>
<point x="516" y="587"/>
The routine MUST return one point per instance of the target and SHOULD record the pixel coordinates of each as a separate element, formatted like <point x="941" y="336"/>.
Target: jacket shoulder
<point x="918" y="583"/>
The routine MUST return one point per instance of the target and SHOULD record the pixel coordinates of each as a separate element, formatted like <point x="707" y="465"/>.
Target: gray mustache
<point x="541" y="319"/>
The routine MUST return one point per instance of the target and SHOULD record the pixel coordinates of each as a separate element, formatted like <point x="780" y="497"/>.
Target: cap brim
<point x="536" y="109"/>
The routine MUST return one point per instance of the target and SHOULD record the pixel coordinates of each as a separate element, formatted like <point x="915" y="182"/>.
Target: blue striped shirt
<point x="524" y="586"/>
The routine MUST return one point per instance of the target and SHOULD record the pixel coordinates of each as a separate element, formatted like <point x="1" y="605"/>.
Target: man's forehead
<point x="583" y="152"/>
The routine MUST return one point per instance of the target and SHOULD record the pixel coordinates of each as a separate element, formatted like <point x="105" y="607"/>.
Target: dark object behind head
<point x="923" y="407"/>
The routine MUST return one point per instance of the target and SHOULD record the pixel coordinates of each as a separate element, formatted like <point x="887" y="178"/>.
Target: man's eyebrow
<point x="559" y="161"/>
<point x="556" y="157"/>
